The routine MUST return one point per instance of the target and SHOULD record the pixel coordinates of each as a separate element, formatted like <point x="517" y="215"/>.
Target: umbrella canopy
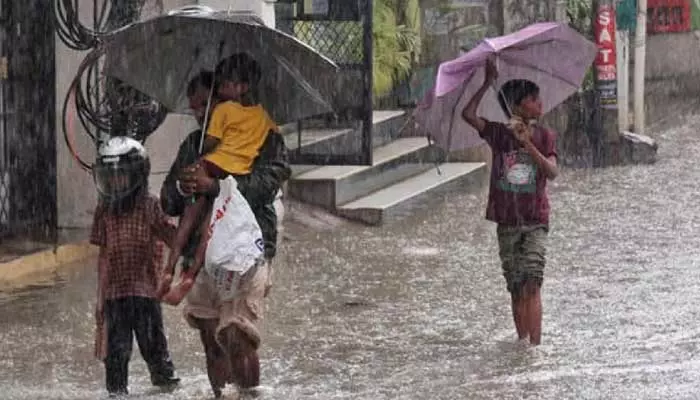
<point x="160" y="56"/>
<point x="552" y="55"/>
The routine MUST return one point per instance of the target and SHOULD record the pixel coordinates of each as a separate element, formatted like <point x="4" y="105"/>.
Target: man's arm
<point x="172" y="198"/>
<point x="270" y="170"/>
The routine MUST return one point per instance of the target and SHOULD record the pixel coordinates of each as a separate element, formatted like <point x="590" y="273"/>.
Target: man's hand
<point x="194" y="179"/>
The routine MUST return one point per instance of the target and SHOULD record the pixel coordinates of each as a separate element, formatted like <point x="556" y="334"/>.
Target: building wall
<point x="520" y="13"/>
<point x="76" y="192"/>
<point x="672" y="74"/>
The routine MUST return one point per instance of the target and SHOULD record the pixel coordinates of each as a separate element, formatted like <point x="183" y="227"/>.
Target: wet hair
<point x="513" y="92"/>
<point x="240" y="68"/>
<point x="204" y="79"/>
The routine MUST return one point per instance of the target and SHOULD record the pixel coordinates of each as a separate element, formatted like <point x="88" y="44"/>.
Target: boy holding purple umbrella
<point x="524" y="158"/>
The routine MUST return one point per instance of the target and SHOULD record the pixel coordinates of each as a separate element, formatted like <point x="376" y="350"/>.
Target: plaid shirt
<point x="131" y="248"/>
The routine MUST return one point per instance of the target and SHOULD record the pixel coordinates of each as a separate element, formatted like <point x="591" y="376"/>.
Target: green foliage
<point x="397" y="42"/>
<point x="579" y="14"/>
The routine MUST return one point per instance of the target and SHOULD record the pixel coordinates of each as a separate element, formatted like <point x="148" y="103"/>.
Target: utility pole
<point x="606" y="132"/>
<point x="640" y="40"/>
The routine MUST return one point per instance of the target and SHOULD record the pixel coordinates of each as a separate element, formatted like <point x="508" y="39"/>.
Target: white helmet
<point x="121" y="172"/>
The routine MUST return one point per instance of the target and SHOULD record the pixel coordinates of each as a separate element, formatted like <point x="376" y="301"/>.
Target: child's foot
<point x="165" y="381"/>
<point x="250" y="393"/>
<point x="119" y="394"/>
<point x="178" y="292"/>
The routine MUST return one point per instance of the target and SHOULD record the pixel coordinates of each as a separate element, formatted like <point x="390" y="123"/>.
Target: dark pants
<point x="141" y="316"/>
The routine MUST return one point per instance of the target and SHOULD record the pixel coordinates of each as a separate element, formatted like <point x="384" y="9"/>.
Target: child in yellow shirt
<point x="236" y="131"/>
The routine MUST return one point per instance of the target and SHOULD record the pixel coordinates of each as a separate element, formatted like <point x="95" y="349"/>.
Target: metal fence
<point x="27" y="120"/>
<point x="342" y="31"/>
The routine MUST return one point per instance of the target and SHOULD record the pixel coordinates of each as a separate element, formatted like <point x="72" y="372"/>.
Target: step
<point x="408" y="196"/>
<point x="331" y="185"/>
<point x="387" y="125"/>
<point x="311" y="137"/>
<point x="327" y="145"/>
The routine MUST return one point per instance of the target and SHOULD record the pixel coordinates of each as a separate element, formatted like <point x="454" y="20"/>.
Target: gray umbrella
<point x="161" y="55"/>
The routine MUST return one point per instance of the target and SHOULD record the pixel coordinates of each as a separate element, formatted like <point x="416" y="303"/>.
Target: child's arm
<point x="161" y="226"/>
<point x="210" y="143"/>
<point x="102" y="264"/>
<point x="469" y="112"/>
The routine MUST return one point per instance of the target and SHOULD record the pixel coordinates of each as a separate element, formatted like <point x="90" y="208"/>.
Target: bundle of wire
<point x="71" y="31"/>
<point x="97" y="111"/>
<point x="86" y="107"/>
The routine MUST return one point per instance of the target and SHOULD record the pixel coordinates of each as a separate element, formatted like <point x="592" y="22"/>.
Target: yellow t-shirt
<point x="241" y="131"/>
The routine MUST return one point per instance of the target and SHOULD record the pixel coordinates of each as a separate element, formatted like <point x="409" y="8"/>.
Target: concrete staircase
<point x="402" y="175"/>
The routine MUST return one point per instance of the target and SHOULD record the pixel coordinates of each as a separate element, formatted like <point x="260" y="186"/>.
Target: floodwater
<point x="418" y="309"/>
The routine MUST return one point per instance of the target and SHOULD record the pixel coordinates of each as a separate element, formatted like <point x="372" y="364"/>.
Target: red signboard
<point x="668" y="16"/>
<point x="606" y="60"/>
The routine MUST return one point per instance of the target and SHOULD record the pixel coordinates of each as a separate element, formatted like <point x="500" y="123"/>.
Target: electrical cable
<point x="71" y="31"/>
<point x="136" y="114"/>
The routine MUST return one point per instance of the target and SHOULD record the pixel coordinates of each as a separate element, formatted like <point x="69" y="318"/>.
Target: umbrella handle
<point x="211" y="95"/>
<point x="498" y="91"/>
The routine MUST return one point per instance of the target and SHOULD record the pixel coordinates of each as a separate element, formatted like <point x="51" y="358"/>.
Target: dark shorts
<point x="522" y="251"/>
<point x="213" y="170"/>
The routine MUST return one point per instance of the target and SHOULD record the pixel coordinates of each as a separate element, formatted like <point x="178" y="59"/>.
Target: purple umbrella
<point x="552" y="55"/>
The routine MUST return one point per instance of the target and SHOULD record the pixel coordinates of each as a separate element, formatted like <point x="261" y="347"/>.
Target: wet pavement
<point x="418" y="309"/>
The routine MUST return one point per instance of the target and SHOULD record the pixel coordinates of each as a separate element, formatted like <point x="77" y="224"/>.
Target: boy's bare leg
<point x="218" y="363"/>
<point x="245" y="363"/>
<point x="534" y="312"/>
<point x="178" y="293"/>
<point x="189" y="221"/>
<point x="518" y="304"/>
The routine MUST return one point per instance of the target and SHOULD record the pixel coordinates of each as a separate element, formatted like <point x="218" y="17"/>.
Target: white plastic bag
<point x="235" y="242"/>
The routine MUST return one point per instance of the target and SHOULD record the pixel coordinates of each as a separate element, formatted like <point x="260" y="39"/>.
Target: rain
<point x="359" y="232"/>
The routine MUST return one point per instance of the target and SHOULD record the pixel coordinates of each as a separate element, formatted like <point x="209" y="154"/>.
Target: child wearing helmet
<point x="129" y="228"/>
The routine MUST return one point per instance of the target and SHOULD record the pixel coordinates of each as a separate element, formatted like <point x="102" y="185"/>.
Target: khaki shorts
<point x="522" y="251"/>
<point x="244" y="311"/>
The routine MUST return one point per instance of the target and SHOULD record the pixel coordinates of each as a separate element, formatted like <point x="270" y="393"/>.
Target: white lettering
<point x="604" y="18"/>
<point x="606" y="55"/>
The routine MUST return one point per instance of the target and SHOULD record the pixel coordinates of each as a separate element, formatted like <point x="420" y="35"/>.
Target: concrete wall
<point x="672" y="76"/>
<point x="520" y="13"/>
<point x="76" y="193"/>
<point x="460" y="25"/>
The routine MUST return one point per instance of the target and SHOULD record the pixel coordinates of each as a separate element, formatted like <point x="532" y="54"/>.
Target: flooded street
<point x="418" y="309"/>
